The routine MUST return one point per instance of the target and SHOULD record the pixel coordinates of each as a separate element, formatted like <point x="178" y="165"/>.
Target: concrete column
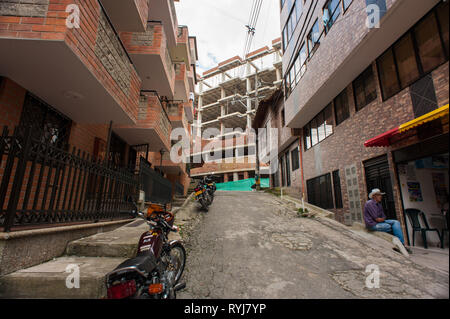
<point x="225" y="178"/>
<point x="235" y="176"/>
<point x="278" y="73"/>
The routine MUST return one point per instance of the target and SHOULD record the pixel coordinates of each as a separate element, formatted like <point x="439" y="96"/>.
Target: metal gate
<point x="378" y="176"/>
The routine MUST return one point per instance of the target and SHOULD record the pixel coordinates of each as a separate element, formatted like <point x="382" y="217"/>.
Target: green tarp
<point x="242" y="185"/>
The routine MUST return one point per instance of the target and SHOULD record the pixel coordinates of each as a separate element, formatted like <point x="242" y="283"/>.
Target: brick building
<point x="107" y="79"/>
<point x="372" y="103"/>
<point x="227" y="97"/>
<point x="286" y="171"/>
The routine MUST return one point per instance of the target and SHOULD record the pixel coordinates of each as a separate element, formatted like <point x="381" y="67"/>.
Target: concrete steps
<point x="94" y="256"/>
<point x="48" y="280"/>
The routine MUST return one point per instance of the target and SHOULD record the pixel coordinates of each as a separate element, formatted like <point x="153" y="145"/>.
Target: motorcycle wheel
<point x="211" y="198"/>
<point x="178" y="255"/>
<point x="204" y="203"/>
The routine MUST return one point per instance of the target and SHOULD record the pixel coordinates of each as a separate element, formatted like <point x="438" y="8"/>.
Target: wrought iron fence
<point x="41" y="184"/>
<point x="157" y="188"/>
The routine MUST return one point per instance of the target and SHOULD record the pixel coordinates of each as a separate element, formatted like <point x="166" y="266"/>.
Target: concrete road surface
<point x="251" y="245"/>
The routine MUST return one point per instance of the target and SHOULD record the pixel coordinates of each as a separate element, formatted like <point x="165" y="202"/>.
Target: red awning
<point x="382" y="139"/>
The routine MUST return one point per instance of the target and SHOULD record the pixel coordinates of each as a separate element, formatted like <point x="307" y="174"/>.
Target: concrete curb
<point x="184" y="204"/>
<point x="58" y="229"/>
<point x="298" y="204"/>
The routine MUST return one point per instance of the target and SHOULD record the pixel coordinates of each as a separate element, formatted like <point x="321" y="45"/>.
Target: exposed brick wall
<point x="82" y="136"/>
<point x="100" y="52"/>
<point x="12" y="97"/>
<point x="152" y="116"/>
<point x="154" y="42"/>
<point x="24" y="8"/>
<point x="346" y="145"/>
<point x="142" y="6"/>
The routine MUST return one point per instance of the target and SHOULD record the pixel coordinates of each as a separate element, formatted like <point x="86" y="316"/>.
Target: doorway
<point x="378" y="176"/>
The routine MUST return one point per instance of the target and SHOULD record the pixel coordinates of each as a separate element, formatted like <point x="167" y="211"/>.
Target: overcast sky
<point x="219" y="26"/>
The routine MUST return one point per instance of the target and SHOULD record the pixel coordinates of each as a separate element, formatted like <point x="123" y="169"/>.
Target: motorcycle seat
<point x="145" y="263"/>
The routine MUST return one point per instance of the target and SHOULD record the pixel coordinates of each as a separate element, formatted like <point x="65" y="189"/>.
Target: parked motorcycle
<point x="210" y="183"/>
<point x="203" y="195"/>
<point x="156" y="270"/>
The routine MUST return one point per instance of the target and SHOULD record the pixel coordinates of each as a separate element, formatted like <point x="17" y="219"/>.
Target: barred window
<point x="48" y="125"/>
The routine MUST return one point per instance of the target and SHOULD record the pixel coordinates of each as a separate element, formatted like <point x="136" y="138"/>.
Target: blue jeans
<point x="388" y="226"/>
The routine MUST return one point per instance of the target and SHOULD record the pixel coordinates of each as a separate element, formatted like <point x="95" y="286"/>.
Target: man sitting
<point x="375" y="219"/>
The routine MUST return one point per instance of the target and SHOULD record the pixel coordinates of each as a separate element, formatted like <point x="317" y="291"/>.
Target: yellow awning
<point x="440" y="112"/>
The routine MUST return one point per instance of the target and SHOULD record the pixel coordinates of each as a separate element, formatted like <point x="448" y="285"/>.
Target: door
<point x="288" y="170"/>
<point x="378" y="176"/>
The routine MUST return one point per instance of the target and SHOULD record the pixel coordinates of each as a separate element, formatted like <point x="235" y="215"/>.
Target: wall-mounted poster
<point x="415" y="193"/>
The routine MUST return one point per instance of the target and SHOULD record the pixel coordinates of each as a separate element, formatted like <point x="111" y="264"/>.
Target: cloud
<point x="219" y="26"/>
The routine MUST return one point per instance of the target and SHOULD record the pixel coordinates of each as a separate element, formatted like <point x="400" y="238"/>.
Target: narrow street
<point x="251" y="245"/>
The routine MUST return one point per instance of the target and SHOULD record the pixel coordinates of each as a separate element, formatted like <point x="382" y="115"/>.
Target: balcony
<point x="181" y="82"/>
<point x="127" y="15"/>
<point x="166" y="165"/>
<point x="181" y="52"/>
<point x="84" y="72"/>
<point x="164" y="11"/>
<point x="153" y="126"/>
<point x="150" y="54"/>
<point x="176" y="114"/>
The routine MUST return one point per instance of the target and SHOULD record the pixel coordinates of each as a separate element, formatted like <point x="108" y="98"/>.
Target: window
<point x="314" y="136"/>
<point x="364" y="89"/>
<point x="319" y="128"/>
<point x="388" y="75"/>
<point x="307" y="137"/>
<point x="295" y="158"/>
<point x="328" y="116"/>
<point x="406" y="61"/>
<point x="422" y="49"/>
<point x="442" y="14"/>
<point x="47" y="124"/>
<point x="302" y="58"/>
<point x="341" y="108"/>
<point x="319" y="191"/>
<point x="337" y="190"/>
<point x="298" y="8"/>
<point x="298" y="67"/>
<point x="347" y="4"/>
<point x="291" y="22"/>
<point x="285" y="39"/>
<point x="288" y="169"/>
<point x="429" y="43"/>
<point x="283" y="119"/>
<point x="331" y="11"/>
<point x="313" y="38"/>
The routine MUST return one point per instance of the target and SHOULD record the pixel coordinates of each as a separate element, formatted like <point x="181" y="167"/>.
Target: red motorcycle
<point x="156" y="270"/>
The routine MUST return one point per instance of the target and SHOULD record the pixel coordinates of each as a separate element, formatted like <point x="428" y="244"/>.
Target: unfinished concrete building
<point x="226" y="100"/>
